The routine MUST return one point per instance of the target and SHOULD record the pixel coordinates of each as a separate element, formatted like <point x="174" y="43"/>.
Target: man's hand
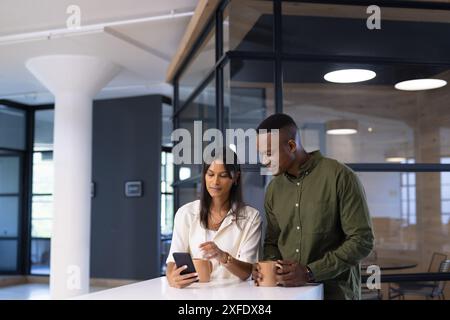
<point x="291" y="274"/>
<point x="256" y="274"/>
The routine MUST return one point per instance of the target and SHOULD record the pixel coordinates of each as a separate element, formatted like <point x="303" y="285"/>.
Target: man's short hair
<point x="277" y="121"/>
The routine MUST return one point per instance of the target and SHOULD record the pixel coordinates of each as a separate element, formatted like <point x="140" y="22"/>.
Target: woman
<point x="218" y="227"/>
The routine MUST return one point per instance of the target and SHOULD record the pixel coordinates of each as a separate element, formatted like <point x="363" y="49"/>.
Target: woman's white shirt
<point x="210" y="234"/>
<point x="241" y="239"/>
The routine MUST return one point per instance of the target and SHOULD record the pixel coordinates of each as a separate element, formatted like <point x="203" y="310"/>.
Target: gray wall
<point x="125" y="232"/>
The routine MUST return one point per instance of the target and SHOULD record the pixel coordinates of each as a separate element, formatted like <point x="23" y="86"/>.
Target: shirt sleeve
<point x="180" y="235"/>
<point x="250" y="249"/>
<point x="356" y="225"/>
<point x="271" y="251"/>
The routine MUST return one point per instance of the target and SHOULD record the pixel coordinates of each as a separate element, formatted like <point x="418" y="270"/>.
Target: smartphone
<point x="184" y="259"/>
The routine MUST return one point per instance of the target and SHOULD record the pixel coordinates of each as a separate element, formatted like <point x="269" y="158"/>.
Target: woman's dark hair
<point x="230" y="161"/>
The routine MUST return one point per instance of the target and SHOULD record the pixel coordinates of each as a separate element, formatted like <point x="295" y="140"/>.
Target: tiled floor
<point x="31" y="291"/>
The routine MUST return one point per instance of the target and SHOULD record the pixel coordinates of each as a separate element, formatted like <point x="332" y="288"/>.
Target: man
<point x="318" y="224"/>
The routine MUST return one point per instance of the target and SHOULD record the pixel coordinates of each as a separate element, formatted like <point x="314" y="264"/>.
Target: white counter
<point x="159" y="289"/>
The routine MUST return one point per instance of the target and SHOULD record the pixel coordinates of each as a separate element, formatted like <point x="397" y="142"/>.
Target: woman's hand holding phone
<point x="178" y="280"/>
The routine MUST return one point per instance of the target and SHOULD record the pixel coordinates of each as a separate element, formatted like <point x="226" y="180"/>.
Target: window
<point x="166" y="193"/>
<point x="408" y="195"/>
<point x="167" y="205"/>
<point x="42" y="197"/>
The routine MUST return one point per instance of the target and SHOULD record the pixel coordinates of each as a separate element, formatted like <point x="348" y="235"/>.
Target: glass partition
<point x="409" y="216"/>
<point x="199" y="67"/>
<point x="284" y="58"/>
<point x="248" y="26"/>
<point x="196" y="118"/>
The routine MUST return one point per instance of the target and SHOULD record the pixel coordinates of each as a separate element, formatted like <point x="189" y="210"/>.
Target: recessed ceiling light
<point x="185" y="173"/>
<point x="399" y="154"/>
<point x="342" y="127"/>
<point x="396" y="159"/>
<point x="420" y="84"/>
<point x="338" y="132"/>
<point x="349" y="75"/>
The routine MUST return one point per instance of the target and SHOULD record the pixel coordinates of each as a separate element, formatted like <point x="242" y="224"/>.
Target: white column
<point x="73" y="80"/>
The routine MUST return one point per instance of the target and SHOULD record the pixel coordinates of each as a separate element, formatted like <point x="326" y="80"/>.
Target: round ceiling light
<point x="420" y="84"/>
<point x="342" y="127"/>
<point x="395" y="159"/>
<point x="349" y="75"/>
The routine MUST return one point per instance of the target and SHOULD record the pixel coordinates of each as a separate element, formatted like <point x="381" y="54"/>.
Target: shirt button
<point x="298" y="183"/>
<point x="298" y="227"/>
<point x="307" y="172"/>
<point x="296" y="250"/>
<point x="296" y="204"/>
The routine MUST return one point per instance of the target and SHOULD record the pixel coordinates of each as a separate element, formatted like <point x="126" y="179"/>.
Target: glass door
<point x="10" y="208"/>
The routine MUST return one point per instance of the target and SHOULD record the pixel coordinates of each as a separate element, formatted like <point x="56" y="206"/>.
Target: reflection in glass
<point x="199" y="67"/>
<point x="392" y="125"/>
<point x="248" y="26"/>
<point x="410" y="228"/>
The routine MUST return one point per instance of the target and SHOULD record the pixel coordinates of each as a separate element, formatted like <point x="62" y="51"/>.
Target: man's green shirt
<point x="320" y="219"/>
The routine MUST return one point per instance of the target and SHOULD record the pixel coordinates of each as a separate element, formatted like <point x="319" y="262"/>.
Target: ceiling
<point x="139" y="35"/>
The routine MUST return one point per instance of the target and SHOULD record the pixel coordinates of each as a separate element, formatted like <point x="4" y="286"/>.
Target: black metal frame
<point x="28" y="191"/>
<point x="278" y="57"/>
<point x="411" y="277"/>
<point x="26" y="185"/>
<point x="24" y="237"/>
<point x="384" y="3"/>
